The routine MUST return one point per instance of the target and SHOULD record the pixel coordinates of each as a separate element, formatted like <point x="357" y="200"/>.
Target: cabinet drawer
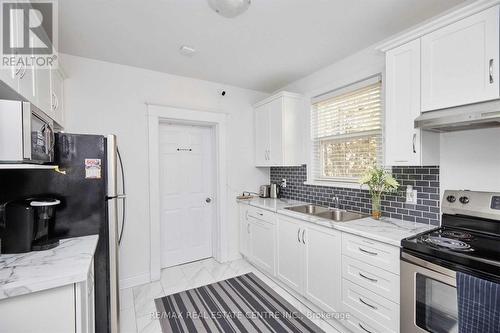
<point x="379" y="281"/>
<point x="372" y="252"/>
<point x="262" y="214"/>
<point x="370" y="307"/>
<point x="354" y="324"/>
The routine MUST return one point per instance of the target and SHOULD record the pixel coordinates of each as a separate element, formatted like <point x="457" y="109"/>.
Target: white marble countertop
<point x="271" y="204"/>
<point x="29" y="272"/>
<point x="386" y="230"/>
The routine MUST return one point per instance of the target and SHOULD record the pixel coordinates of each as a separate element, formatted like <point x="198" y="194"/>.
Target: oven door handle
<point x="425" y="267"/>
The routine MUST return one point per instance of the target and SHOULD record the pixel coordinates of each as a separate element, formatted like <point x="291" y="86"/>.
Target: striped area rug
<point x="239" y="304"/>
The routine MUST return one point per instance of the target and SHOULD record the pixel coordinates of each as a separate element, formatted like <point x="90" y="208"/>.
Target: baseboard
<point x="134" y="281"/>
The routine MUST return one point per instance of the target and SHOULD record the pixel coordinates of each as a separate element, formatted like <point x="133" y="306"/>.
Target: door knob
<point x="208" y="200"/>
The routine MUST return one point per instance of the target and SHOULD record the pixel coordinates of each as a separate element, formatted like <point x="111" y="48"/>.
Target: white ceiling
<point x="274" y="43"/>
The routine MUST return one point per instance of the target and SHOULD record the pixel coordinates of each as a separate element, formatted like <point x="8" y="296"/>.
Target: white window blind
<point x="347" y="132"/>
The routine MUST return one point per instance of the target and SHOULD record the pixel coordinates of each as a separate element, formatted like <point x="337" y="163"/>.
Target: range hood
<point x="473" y="116"/>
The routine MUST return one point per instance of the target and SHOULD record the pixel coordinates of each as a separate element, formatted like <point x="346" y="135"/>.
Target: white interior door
<point x="187" y="183"/>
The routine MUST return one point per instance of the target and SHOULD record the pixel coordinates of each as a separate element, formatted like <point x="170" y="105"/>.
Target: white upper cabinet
<point x="279" y="130"/>
<point x="262" y="132"/>
<point x="402" y="105"/>
<point x="41" y="86"/>
<point x="404" y="144"/>
<point x="460" y="62"/>
<point x="56" y="96"/>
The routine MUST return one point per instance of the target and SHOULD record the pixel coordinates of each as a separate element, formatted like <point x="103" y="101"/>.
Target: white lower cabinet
<point x="373" y="308"/>
<point x="258" y="237"/>
<point x="336" y="271"/>
<point x="244" y="230"/>
<point x="370" y="284"/>
<point x="309" y="261"/>
<point x="322" y="267"/>
<point x="262" y="244"/>
<point x="65" y="309"/>
<point x="290" y="253"/>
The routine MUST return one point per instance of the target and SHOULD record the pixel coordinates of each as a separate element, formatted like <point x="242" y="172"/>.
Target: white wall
<point x="102" y="98"/>
<point x="356" y="67"/>
<point x="471" y="160"/>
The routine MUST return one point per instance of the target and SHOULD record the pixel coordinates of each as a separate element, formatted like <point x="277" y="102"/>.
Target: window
<point x="347" y="132"/>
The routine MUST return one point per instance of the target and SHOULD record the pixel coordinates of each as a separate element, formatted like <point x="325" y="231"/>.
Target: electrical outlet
<point x="283" y="182"/>
<point x="411" y="195"/>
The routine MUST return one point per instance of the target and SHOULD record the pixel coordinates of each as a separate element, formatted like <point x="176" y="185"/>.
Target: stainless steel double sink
<point x="337" y="215"/>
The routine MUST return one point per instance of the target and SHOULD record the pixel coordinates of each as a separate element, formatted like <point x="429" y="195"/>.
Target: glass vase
<point x="376" y="207"/>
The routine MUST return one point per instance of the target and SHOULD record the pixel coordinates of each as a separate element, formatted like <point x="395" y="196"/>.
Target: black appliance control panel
<point x="495" y="202"/>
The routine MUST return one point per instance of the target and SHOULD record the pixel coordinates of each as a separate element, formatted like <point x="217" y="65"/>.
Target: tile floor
<point x="137" y="304"/>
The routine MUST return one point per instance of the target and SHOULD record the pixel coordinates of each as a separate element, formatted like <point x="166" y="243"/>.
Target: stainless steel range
<point x="467" y="241"/>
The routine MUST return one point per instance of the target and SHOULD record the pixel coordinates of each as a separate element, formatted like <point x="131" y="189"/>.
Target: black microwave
<point x="26" y="134"/>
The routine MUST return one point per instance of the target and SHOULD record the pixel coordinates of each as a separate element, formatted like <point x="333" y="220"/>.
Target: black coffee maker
<point x="27" y="225"/>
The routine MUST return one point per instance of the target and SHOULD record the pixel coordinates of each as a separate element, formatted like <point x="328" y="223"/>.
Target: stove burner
<point x="456" y="234"/>
<point x="448" y="243"/>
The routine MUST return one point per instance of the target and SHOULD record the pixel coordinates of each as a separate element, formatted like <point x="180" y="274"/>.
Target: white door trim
<point x="157" y="114"/>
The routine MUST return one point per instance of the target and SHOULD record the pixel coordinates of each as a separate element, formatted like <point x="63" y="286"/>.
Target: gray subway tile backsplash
<point x="423" y="179"/>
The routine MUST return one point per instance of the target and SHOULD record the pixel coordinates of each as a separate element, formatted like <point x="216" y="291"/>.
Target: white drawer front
<point x="379" y="281"/>
<point x="370" y="307"/>
<point x="262" y="214"/>
<point x="372" y="252"/>
<point x="357" y="325"/>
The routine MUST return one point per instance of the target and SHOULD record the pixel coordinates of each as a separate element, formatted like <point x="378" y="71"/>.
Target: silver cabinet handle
<point x="303" y="238"/>
<point x="364" y="329"/>
<point x="368" y="252"/>
<point x="413" y="142"/>
<point x="367" y="304"/>
<point x="248" y="228"/>
<point x="298" y="235"/>
<point x="368" y="278"/>
<point x="491" y="70"/>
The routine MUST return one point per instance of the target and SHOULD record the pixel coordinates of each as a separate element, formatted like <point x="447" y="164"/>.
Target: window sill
<point x="336" y="184"/>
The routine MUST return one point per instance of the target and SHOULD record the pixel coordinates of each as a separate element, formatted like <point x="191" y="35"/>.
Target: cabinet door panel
<point x="456" y="62"/>
<point x="244" y="230"/>
<point x="42" y="81"/>
<point x="57" y="95"/>
<point x="51" y="310"/>
<point x="289" y="253"/>
<point x="402" y="140"/>
<point x="275" y="131"/>
<point x="262" y="245"/>
<point x="262" y="135"/>
<point x="323" y="268"/>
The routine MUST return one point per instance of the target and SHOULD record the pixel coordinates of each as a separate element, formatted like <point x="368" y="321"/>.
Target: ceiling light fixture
<point x="229" y="8"/>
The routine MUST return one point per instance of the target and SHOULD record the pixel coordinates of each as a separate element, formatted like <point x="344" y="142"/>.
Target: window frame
<point x="314" y="171"/>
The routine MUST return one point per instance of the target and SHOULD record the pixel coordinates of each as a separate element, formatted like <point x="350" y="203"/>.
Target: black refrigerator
<point x="87" y="183"/>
